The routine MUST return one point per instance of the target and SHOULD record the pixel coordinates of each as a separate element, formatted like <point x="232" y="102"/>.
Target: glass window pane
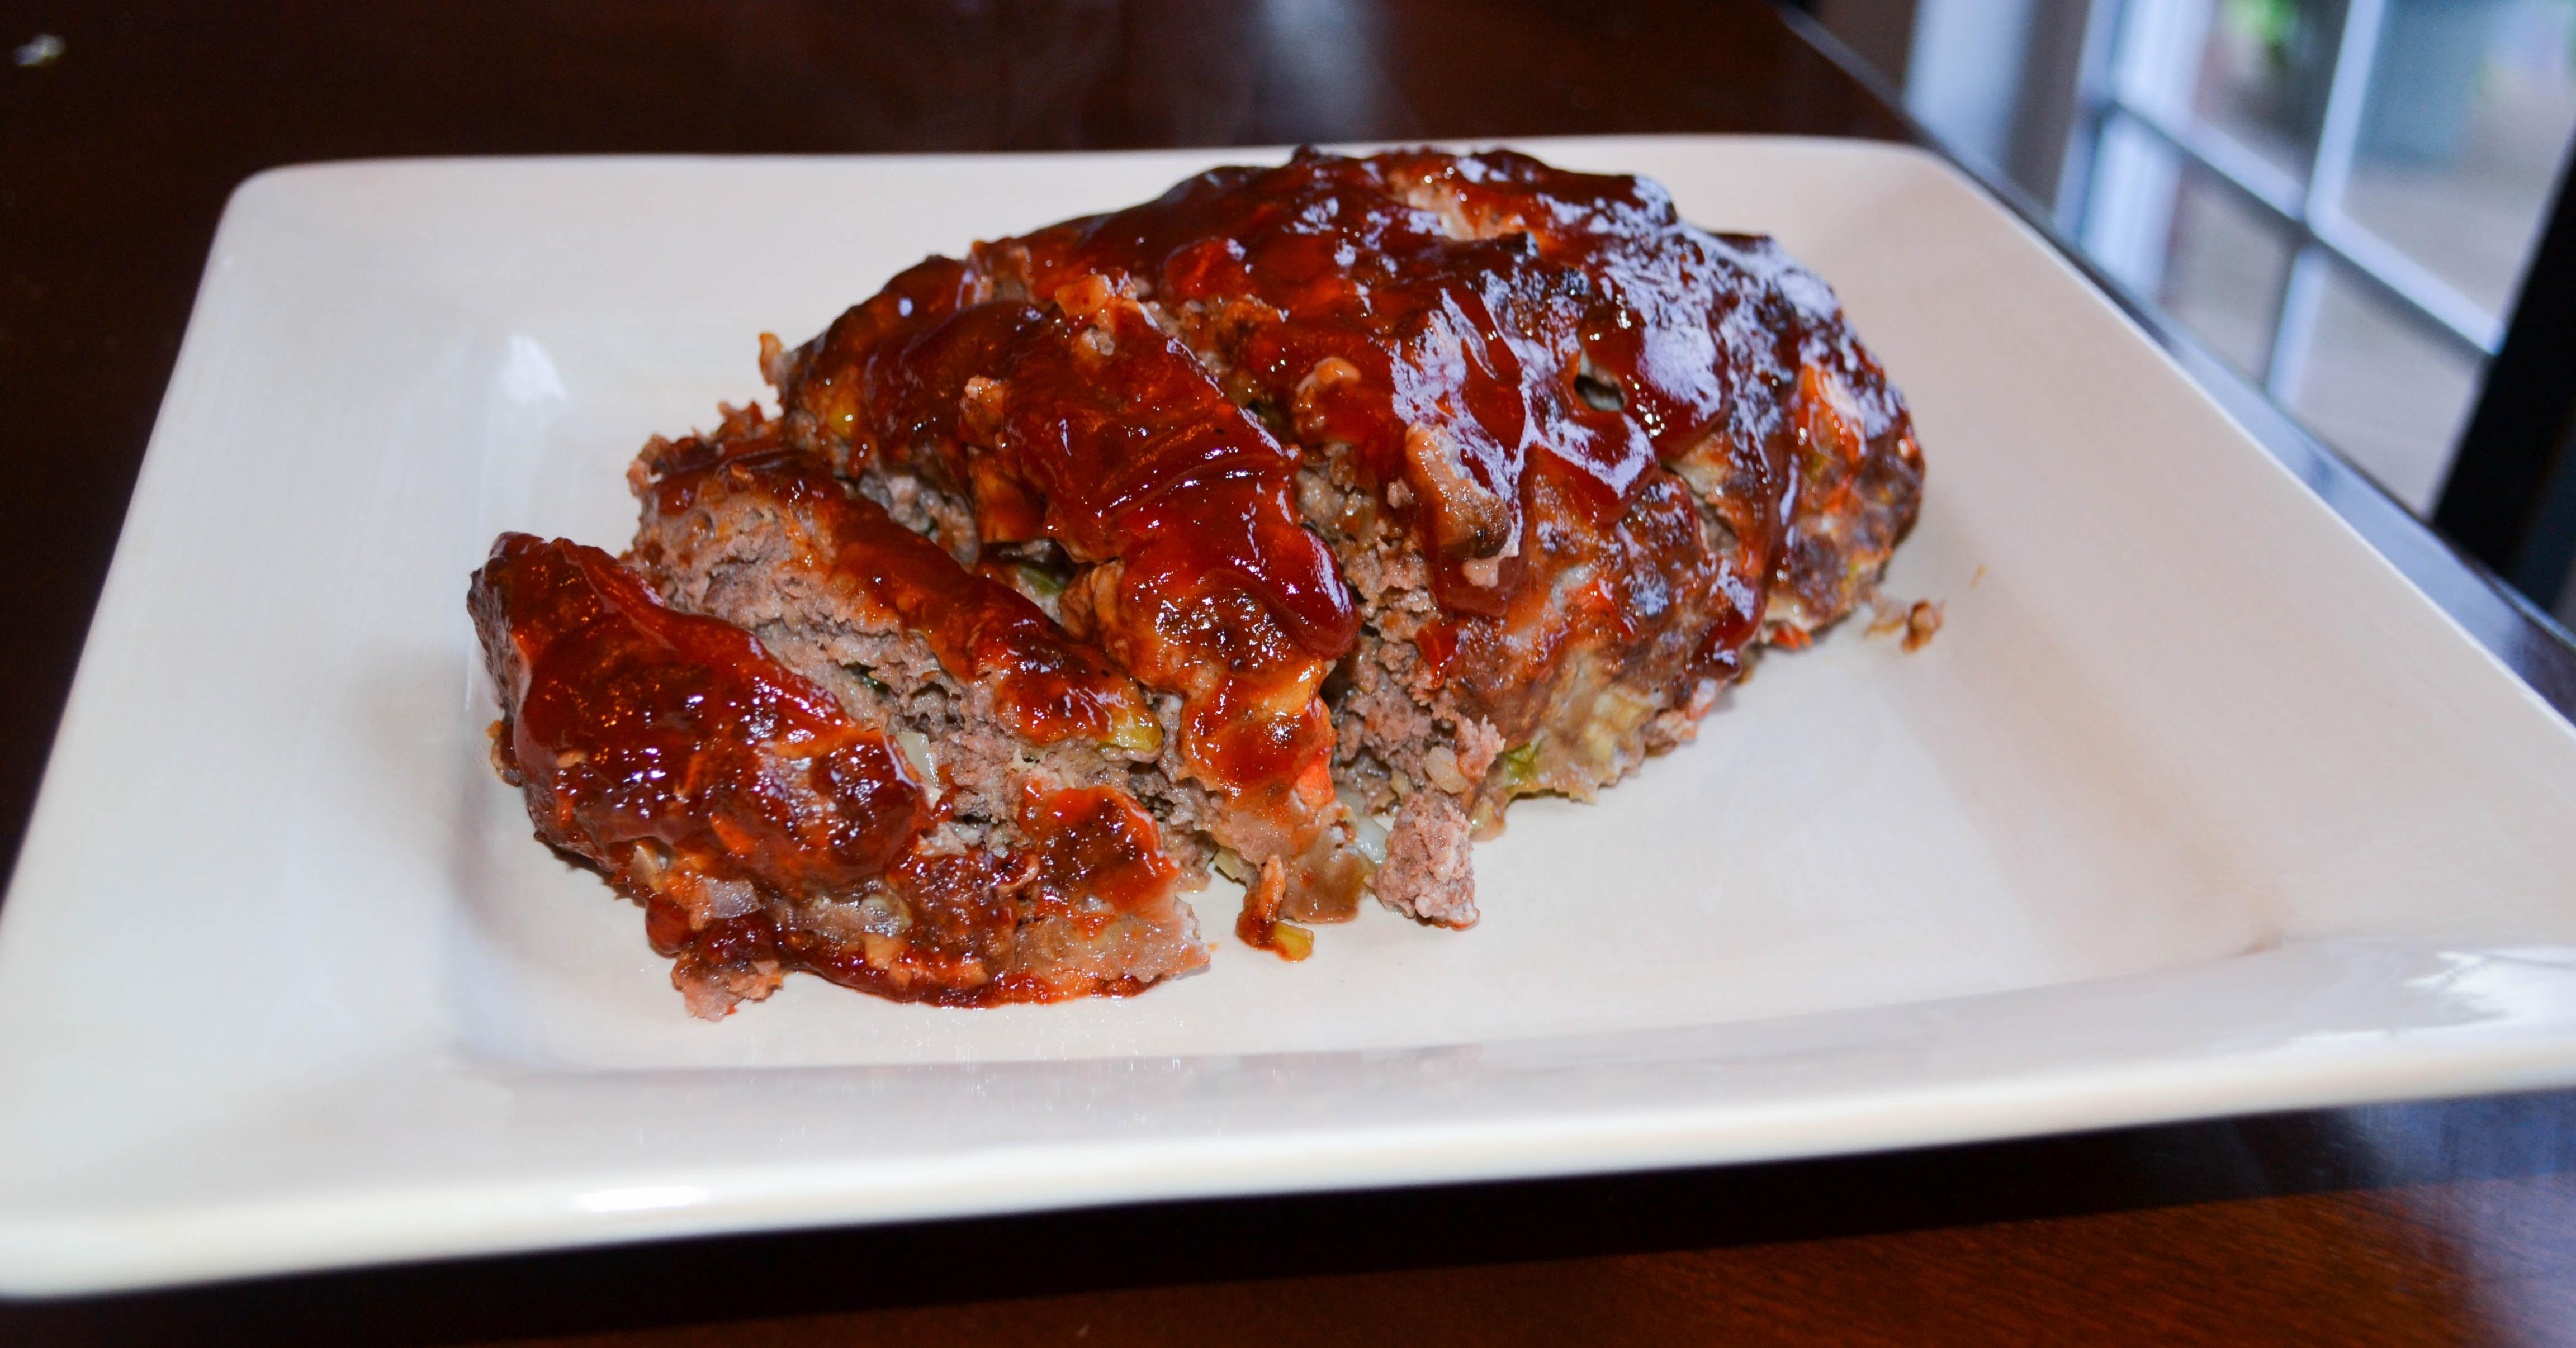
<point x="2470" y="109"/>
<point x="2263" y="74"/>
<point x="2385" y="391"/>
<point x="2224" y="271"/>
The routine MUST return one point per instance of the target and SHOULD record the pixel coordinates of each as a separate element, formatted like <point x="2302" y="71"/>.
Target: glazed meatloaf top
<point x="1346" y="500"/>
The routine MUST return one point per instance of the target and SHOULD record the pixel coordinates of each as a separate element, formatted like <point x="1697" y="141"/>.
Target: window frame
<point x="2310" y="209"/>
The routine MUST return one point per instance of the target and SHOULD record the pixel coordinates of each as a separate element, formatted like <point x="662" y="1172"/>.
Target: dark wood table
<point x="2432" y="1222"/>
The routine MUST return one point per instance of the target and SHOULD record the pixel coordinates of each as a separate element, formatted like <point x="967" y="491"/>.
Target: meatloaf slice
<point x="1071" y="424"/>
<point x="765" y="826"/>
<point x="988" y="697"/>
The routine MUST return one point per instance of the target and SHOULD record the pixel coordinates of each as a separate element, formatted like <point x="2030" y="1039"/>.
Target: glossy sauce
<point x="1518" y="358"/>
<point x="642" y="724"/>
<point x="1523" y="349"/>
<point x="1072" y="418"/>
<point x="1595" y="419"/>
<point x="1088" y="426"/>
<point x="1097" y="850"/>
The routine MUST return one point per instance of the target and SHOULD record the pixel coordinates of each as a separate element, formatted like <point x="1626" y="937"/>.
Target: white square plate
<point x="2193" y="806"/>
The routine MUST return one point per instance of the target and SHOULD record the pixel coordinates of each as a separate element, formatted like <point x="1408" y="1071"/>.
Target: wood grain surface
<point x="2413" y="1265"/>
<point x="2446" y="1222"/>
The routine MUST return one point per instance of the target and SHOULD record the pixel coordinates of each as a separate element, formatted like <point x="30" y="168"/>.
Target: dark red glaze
<point x="1082" y="423"/>
<point x="640" y="724"/>
<point x="1079" y="421"/>
<point x="1522" y="347"/>
<point x="1095" y="843"/>
<point x="1071" y="417"/>
<point x="1603" y="424"/>
<point x="1136" y="454"/>
<point x="1048" y="686"/>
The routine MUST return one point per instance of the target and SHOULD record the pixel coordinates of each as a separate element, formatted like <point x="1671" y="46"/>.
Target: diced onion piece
<point x="916" y="751"/>
<point x="1369" y="837"/>
<point x="1441" y="766"/>
<point x="1130" y="728"/>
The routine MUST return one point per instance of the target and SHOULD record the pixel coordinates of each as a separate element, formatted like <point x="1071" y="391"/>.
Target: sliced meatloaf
<point x="1291" y="524"/>
<point x="767" y="826"/>
<point x="1571" y="456"/>
<point x="984" y="692"/>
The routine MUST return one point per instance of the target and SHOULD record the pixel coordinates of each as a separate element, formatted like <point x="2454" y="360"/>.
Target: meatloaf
<point x="1299" y="519"/>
